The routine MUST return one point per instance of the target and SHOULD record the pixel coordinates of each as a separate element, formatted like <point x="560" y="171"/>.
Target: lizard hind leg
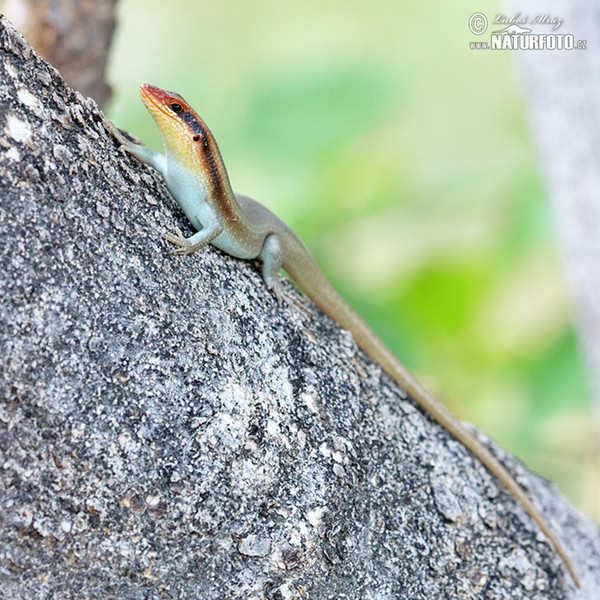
<point x="271" y="256"/>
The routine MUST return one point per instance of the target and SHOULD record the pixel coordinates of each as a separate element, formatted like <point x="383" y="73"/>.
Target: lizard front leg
<point x="143" y="153"/>
<point x="159" y="161"/>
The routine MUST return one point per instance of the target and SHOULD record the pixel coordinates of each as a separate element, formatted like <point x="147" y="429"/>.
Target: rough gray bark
<point x="563" y="91"/>
<point x="168" y="431"/>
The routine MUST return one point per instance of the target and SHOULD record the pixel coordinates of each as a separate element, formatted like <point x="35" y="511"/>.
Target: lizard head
<point x="185" y="136"/>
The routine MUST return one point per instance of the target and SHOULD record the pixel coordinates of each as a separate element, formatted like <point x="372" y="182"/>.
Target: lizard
<point x="195" y="174"/>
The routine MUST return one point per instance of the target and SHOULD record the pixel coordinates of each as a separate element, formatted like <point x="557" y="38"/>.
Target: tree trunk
<point x="73" y="35"/>
<point x="168" y="431"/>
<point x="563" y="94"/>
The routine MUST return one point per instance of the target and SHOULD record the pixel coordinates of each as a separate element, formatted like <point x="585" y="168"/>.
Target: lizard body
<point x="195" y="174"/>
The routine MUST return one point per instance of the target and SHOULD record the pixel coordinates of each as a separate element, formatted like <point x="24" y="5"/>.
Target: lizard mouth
<point x="155" y="99"/>
<point x="160" y="102"/>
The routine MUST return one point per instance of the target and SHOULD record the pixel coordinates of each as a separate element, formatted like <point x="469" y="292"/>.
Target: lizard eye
<point x="176" y="107"/>
<point x="196" y="138"/>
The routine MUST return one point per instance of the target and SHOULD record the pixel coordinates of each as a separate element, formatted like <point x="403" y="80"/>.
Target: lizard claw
<point x="119" y="135"/>
<point x="113" y="130"/>
<point x="183" y="245"/>
<point x="284" y="296"/>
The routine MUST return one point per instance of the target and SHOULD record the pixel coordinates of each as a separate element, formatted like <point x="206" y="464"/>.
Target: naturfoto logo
<point x="521" y="32"/>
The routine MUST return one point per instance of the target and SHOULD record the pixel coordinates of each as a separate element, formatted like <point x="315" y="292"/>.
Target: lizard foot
<point x="184" y="246"/>
<point x="284" y="296"/>
<point x="119" y="135"/>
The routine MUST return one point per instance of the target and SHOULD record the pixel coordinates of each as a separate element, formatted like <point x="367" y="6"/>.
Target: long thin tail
<point x="304" y="271"/>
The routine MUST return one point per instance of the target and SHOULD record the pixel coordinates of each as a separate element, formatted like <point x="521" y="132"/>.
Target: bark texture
<point x="168" y="431"/>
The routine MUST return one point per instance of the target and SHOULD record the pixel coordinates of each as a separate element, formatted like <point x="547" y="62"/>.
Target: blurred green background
<point x="404" y="160"/>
